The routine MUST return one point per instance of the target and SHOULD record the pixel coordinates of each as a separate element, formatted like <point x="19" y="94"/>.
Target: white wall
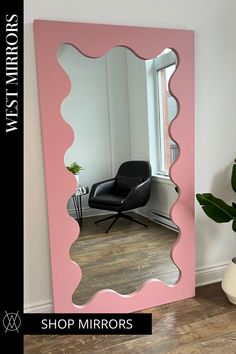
<point x="138" y="113"/>
<point x="97" y="110"/>
<point x="118" y="107"/>
<point x="86" y="110"/>
<point x="215" y="26"/>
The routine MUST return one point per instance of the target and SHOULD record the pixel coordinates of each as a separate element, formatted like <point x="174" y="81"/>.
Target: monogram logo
<point x="11" y="321"/>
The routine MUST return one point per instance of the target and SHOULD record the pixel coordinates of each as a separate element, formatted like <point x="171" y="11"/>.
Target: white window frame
<point x="166" y="59"/>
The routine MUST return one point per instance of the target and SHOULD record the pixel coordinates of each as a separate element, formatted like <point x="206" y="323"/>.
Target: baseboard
<point x="158" y="218"/>
<point x="204" y="276"/>
<point x="88" y="212"/>
<point x="43" y="307"/>
<point x="210" y="275"/>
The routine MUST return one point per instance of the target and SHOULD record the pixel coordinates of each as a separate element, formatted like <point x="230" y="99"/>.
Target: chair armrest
<point x="102" y="187"/>
<point x="138" y="195"/>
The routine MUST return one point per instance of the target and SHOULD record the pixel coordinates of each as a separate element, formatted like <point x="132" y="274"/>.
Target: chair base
<point x="116" y="217"/>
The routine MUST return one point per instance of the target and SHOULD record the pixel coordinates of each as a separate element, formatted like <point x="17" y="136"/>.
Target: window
<point x="167" y="150"/>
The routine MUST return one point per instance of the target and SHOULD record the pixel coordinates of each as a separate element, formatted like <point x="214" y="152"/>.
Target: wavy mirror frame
<point x="95" y="40"/>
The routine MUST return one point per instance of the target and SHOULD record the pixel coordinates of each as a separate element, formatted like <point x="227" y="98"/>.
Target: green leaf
<point x="233" y="178"/>
<point x="234" y="224"/>
<point x="74" y="168"/>
<point x="216" y="208"/>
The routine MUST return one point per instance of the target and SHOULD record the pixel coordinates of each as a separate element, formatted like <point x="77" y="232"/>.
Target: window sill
<point x="162" y="179"/>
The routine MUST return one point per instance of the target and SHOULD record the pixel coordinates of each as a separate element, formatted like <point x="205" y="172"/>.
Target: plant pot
<point x="77" y="180"/>
<point x="229" y="281"/>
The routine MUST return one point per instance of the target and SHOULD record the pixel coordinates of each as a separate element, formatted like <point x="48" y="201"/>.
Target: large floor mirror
<point x="118" y="114"/>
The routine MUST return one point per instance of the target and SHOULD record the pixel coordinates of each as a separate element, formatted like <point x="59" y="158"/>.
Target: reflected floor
<point x="124" y="258"/>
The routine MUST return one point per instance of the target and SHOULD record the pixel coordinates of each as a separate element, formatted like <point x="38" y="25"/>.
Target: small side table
<point x="77" y="196"/>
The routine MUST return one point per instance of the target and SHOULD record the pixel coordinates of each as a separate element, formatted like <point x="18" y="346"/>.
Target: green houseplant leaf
<point x="216" y="208"/>
<point x="234" y="224"/>
<point x="74" y="168"/>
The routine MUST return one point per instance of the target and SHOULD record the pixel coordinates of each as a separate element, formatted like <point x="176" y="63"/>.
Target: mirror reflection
<point x="119" y="108"/>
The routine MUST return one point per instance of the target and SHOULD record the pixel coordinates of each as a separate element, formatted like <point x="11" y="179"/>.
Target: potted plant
<point x="75" y="168"/>
<point x="220" y="212"/>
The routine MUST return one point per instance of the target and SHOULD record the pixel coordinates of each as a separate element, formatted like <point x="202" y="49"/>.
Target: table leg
<point x="77" y="200"/>
<point x="80" y="208"/>
<point x="76" y="207"/>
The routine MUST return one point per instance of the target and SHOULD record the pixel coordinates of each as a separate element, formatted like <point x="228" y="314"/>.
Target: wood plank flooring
<point x="124" y="258"/>
<point x="205" y="324"/>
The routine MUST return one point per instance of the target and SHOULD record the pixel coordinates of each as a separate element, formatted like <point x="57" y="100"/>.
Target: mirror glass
<point x="120" y="108"/>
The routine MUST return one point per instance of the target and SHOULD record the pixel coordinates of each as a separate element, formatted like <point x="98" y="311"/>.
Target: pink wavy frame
<point x="94" y="41"/>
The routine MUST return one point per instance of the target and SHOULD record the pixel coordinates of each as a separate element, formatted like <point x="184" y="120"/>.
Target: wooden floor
<point x="124" y="258"/>
<point x="205" y="324"/>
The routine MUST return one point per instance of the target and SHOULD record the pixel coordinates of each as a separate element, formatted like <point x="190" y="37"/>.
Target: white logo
<point x="11" y="321"/>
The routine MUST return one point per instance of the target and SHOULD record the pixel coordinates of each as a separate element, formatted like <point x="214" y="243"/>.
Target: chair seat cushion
<point x="108" y="199"/>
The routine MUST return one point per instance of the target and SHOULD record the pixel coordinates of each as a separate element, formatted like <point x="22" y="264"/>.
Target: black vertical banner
<point x="11" y="130"/>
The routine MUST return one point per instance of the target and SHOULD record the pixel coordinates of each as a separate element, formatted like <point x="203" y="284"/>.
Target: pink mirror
<point x="95" y="42"/>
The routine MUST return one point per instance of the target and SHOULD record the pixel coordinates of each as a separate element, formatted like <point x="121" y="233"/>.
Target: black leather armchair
<point x="129" y="189"/>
